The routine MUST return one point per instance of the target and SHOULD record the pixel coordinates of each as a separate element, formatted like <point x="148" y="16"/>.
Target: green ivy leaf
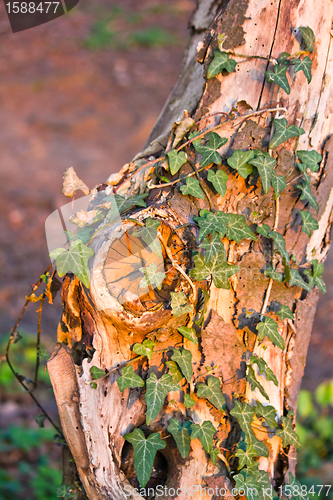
<point x="246" y="457"/>
<point x="254" y="383"/>
<point x="283" y="132"/>
<point x="212" y="392"/>
<point x="212" y="222"/>
<point x="309" y="222"/>
<point x="192" y="188"/>
<point x="189" y="334"/>
<point x="264" y="230"/>
<point x="156" y="391"/>
<point x="285" y="312"/>
<point x="179" y="304"/>
<point x="269" y="328"/>
<point x="218" y="268"/>
<point x="174" y="371"/>
<point x="268" y="413"/>
<point x="287" y="433"/>
<point x="214" y="453"/>
<point x="209" y="151"/>
<point x="144" y="349"/>
<point x="219" y="181"/>
<point x="311" y="159"/>
<point x="188" y="401"/>
<point x="176" y="160"/>
<point x="265" y="165"/>
<point x="308" y="37"/>
<point x="40" y="419"/>
<point x="149" y="235"/>
<point x="308" y="196"/>
<point x="249" y="484"/>
<point x="244" y="414"/>
<point x="295" y="279"/>
<point x="74" y="260"/>
<point x="183" y="358"/>
<point x="213" y="247"/>
<point x="280" y="244"/>
<point x="275" y="275"/>
<point x="278" y="183"/>
<point x="237" y="228"/>
<point x="152" y="277"/>
<point x="220" y="62"/>
<point x="96" y="373"/>
<point x="129" y="379"/>
<point x="204" y="433"/>
<point x="279" y="76"/>
<point x="315" y="276"/>
<point x="181" y="434"/>
<point x="264" y="369"/>
<point x="239" y="161"/>
<point x="305" y="66"/>
<point x="144" y="453"/>
<point x="119" y="204"/>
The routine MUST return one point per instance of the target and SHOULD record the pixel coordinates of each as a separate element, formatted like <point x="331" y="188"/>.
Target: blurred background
<point x="85" y="90"/>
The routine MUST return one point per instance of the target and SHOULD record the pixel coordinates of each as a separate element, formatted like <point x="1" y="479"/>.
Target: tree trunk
<point x="99" y="330"/>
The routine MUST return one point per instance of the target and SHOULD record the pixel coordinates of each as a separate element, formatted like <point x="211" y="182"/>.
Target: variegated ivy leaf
<point x="274" y="275"/>
<point x="280" y="244"/>
<point x="204" y="433"/>
<point x="144" y="349"/>
<point x="180" y="304"/>
<point x="278" y="183"/>
<point x="218" y="268"/>
<point x="149" y="235"/>
<point x="212" y="392"/>
<point x="176" y="160"/>
<point x="295" y="279"/>
<point x="174" y="372"/>
<point x="188" y="401"/>
<point x="283" y="132"/>
<point x="265" y="165"/>
<point x="239" y="161"/>
<point x="246" y="457"/>
<point x="311" y="159"/>
<point x="74" y="260"/>
<point x="254" y="383"/>
<point x="209" y="150"/>
<point x="269" y="328"/>
<point x="287" y="433"/>
<point x="285" y="312"/>
<point x="237" y="228"/>
<point x="264" y="230"/>
<point x="209" y="222"/>
<point x="279" y="76"/>
<point x="267" y="412"/>
<point x="307" y="195"/>
<point x="309" y="222"/>
<point x="219" y="181"/>
<point x="183" y="358"/>
<point x="156" y="392"/>
<point x="220" y="62"/>
<point x="181" y="434"/>
<point x="193" y="188"/>
<point x="129" y="379"/>
<point x="213" y="247"/>
<point x="152" y="277"/>
<point x="308" y="37"/>
<point x="144" y="453"/>
<point x="189" y="334"/>
<point x="305" y="66"/>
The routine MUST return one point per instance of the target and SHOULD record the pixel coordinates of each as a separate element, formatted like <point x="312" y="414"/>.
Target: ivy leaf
<point x="264" y="369"/>
<point x="144" y="349"/>
<point x="305" y="66"/>
<point x="295" y="279"/>
<point x="181" y="434"/>
<point x="239" y="160"/>
<point x="275" y="275"/>
<point x="310" y="158"/>
<point x="283" y="132"/>
<point x="188" y="401"/>
<point x="149" y="235"/>
<point x="219" y="181"/>
<point x="246" y="457"/>
<point x="192" y="188"/>
<point x="156" y="391"/>
<point x="309" y="222"/>
<point x="268" y="413"/>
<point x="183" y="358"/>
<point x="74" y="260"/>
<point x="218" y="268"/>
<point x="152" y="277"/>
<point x="220" y="62"/>
<point x="119" y="204"/>
<point x="269" y="328"/>
<point x="214" y="453"/>
<point x="287" y="433"/>
<point x="212" y="392"/>
<point x="213" y="247"/>
<point x="209" y="151"/>
<point x="174" y="371"/>
<point x="279" y="76"/>
<point x="129" y="379"/>
<point x="308" y="37"/>
<point x="254" y="383"/>
<point x="144" y="453"/>
<point x="278" y="183"/>
<point x="40" y="419"/>
<point x="189" y="334"/>
<point x="285" y="312"/>
<point x="248" y="484"/>
<point x="204" y="433"/>
<point x="308" y="196"/>
<point x="212" y="222"/>
<point x="264" y="230"/>
<point x="176" y="160"/>
<point x="265" y="165"/>
<point x="96" y="373"/>
<point x="315" y="276"/>
<point x="244" y="414"/>
<point x="280" y="244"/>
<point x="237" y="228"/>
<point x="179" y="304"/>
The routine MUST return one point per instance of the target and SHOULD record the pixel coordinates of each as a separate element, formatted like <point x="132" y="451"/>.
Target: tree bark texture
<point x="98" y="330"/>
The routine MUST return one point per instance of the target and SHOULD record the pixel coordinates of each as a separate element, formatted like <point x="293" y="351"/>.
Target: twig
<point x="270" y="59"/>
<point x="39" y="330"/>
